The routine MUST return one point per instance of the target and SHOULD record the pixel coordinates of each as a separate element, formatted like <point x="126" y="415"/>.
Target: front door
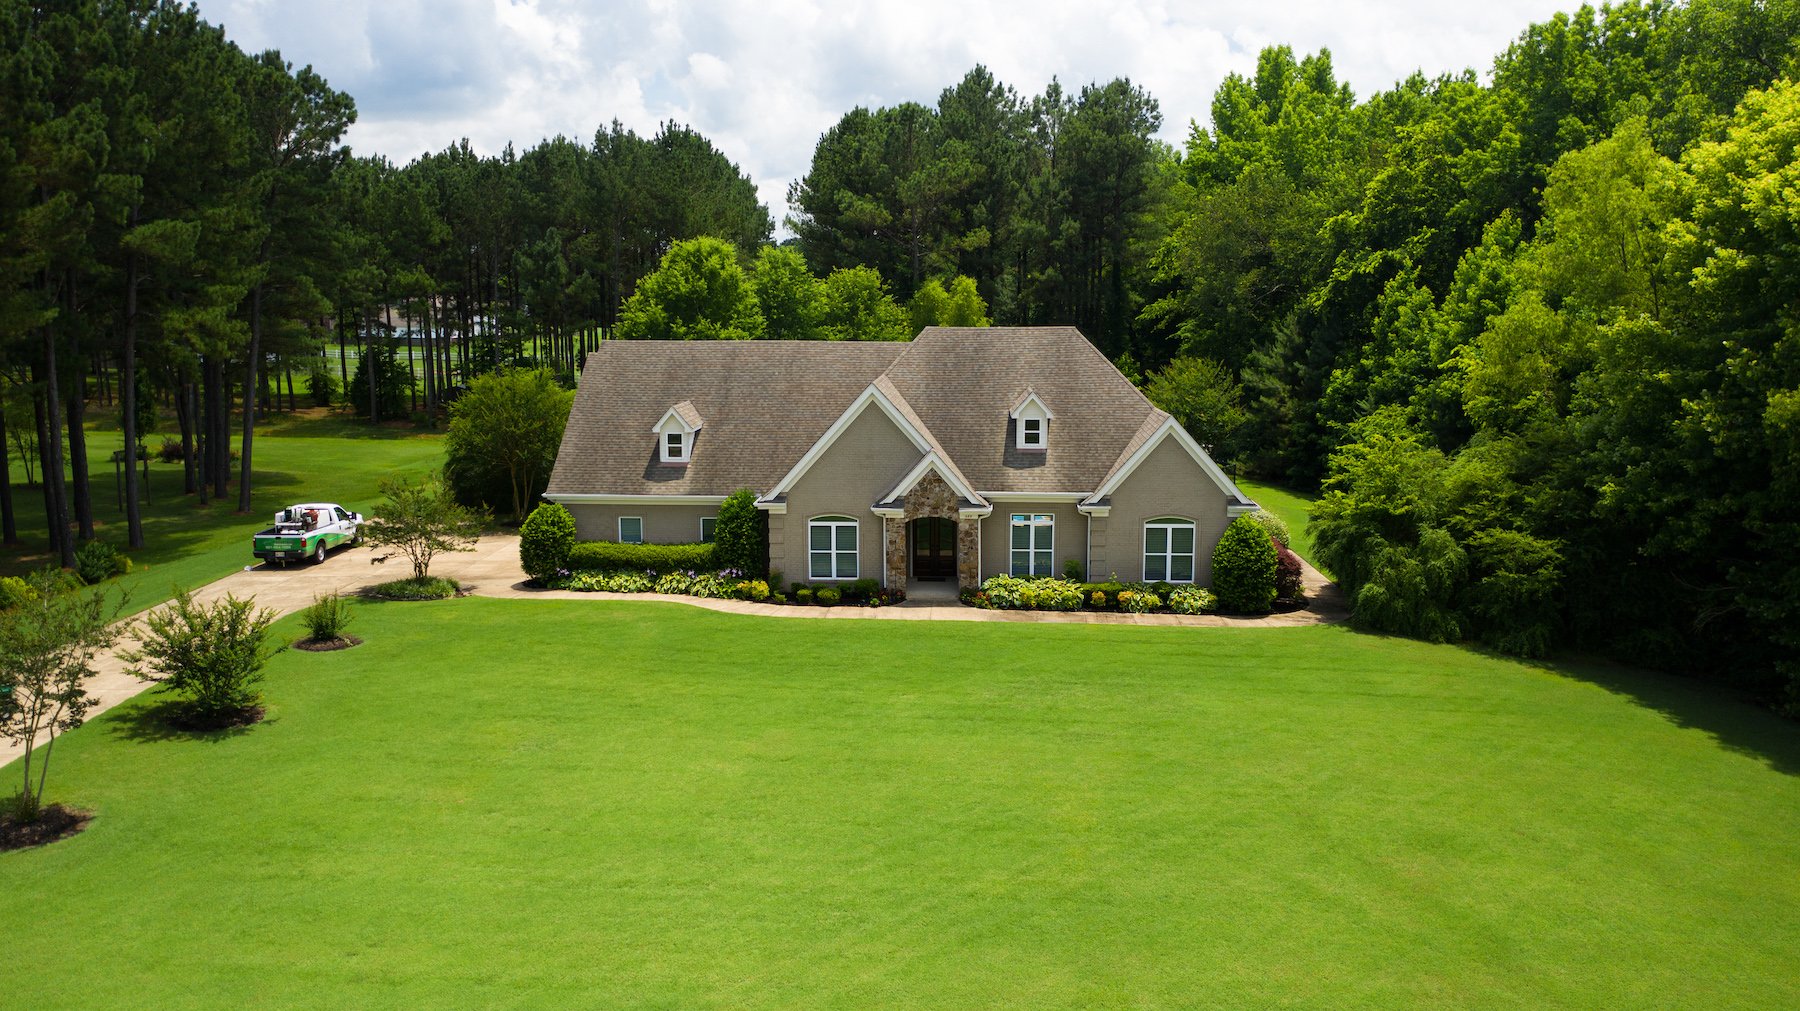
<point x="933" y="549"/>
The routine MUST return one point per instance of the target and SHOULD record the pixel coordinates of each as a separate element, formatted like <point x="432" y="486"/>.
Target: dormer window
<point x="675" y="433"/>
<point x="1031" y="423"/>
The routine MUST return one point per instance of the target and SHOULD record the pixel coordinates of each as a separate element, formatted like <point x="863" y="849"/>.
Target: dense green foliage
<point x="545" y="540"/>
<point x="1244" y="567"/>
<point x="416" y="588"/>
<point x="1203" y="396"/>
<point x="98" y="561"/>
<point x="211" y="655"/>
<point x="504" y="433"/>
<point x="611" y="556"/>
<point x="741" y="535"/>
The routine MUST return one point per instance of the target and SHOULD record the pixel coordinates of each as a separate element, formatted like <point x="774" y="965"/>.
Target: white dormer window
<point x="675" y="433"/>
<point x="1031" y="423"/>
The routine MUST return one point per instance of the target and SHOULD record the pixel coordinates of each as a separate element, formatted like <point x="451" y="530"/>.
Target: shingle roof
<point x="766" y="403"/>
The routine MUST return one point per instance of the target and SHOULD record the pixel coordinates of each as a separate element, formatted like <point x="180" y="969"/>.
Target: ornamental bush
<point x="1274" y="525"/>
<point x="15" y="592"/>
<point x="211" y="654"/>
<point x="1139" y="601"/>
<point x="741" y="535"/>
<point x="1010" y="593"/>
<point x="829" y="596"/>
<point x="1243" y="568"/>
<point x="546" y="540"/>
<point x="1288" y="575"/>
<point x="610" y="556"/>
<point x="98" y="561"/>
<point x="1192" y="600"/>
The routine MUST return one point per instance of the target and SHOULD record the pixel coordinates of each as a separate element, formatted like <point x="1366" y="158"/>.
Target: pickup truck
<point x="307" y="530"/>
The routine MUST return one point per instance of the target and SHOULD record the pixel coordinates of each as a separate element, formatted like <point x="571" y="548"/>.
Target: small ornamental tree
<point x="1243" y="568"/>
<point x="503" y="437"/>
<point x="1289" y="576"/>
<point x="422" y="521"/>
<point x="48" y="642"/>
<point x="740" y="538"/>
<point x="212" y="654"/>
<point x="546" y="540"/>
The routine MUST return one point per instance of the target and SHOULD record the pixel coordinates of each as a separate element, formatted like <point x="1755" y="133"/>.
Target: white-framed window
<point x="675" y="446"/>
<point x="631" y="528"/>
<point x="1033" y="544"/>
<point x="708" y="525"/>
<point x="1169" y="550"/>
<point x="831" y="548"/>
<point x="1031" y="433"/>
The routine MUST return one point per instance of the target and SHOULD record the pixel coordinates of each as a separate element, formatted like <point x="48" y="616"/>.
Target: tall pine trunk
<point x="252" y="365"/>
<point x="56" y="504"/>
<point x="134" y="520"/>
<point x="9" y="526"/>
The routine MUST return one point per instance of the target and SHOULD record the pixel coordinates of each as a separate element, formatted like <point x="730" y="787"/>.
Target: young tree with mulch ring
<point x="48" y="642"/>
<point x="422" y="521"/>
<point x="212" y="654"/>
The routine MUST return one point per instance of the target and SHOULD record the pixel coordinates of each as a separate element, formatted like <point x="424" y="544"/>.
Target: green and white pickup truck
<point x="307" y="530"/>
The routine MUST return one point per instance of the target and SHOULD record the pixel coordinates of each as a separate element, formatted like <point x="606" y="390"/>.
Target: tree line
<point x="1530" y="335"/>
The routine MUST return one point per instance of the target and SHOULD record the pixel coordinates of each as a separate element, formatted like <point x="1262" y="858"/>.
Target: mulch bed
<point x="180" y="719"/>
<point x="55" y="822"/>
<point x="327" y="645"/>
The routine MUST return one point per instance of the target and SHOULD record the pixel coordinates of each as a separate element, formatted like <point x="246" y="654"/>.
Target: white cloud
<point x="764" y="80"/>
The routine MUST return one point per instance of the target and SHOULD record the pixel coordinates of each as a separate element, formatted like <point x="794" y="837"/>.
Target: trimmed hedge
<point x="741" y="535"/>
<point x="545" y="540"/>
<point x="1243" y="568"/>
<point x="610" y="556"/>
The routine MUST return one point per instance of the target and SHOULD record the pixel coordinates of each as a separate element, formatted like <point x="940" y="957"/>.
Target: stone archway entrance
<point x="932" y="531"/>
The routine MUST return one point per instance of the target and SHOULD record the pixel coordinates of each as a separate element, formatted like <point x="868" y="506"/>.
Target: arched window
<point x="1169" y="550"/>
<point x="831" y="548"/>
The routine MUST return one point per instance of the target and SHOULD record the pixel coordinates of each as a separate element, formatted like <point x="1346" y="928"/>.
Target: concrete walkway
<point x="492" y="570"/>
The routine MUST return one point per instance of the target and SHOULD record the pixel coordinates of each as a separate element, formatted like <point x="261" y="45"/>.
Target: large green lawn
<point x="324" y="459"/>
<point x="534" y="803"/>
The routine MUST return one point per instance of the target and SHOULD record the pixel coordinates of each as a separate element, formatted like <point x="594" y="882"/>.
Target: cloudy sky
<point x="764" y="80"/>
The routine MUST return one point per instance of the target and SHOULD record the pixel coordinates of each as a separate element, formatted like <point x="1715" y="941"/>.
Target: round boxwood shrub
<point x="1243" y="568"/>
<point x="545" y="540"/>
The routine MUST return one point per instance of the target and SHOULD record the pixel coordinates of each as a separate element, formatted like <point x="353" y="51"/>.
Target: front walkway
<point x="492" y="570"/>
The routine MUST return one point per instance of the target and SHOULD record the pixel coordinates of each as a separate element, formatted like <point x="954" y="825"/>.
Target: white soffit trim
<point x="1035" y="496"/>
<point x="1030" y="398"/>
<point x="840" y="426"/>
<point x="929" y="462"/>
<point x="1171" y="428"/>
<point x="570" y="498"/>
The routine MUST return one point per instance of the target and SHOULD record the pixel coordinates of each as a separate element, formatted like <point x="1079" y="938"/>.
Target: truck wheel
<point x="319" y="553"/>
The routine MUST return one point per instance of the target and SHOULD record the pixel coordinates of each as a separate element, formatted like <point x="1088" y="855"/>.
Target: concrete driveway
<point x="493" y="565"/>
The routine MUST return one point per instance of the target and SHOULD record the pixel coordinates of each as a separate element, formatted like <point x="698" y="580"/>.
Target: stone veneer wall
<point x="932" y="497"/>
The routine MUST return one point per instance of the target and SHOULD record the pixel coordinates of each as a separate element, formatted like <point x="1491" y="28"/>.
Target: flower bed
<point x="1014" y="593"/>
<point x="726" y="584"/>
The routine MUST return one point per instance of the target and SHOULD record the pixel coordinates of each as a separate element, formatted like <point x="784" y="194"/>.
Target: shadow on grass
<point x="1728" y="715"/>
<point x="160" y="720"/>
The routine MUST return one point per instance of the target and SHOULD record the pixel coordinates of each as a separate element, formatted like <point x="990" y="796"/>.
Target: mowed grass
<point x="1292" y="507"/>
<point x="328" y="459"/>
<point x="535" y="803"/>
